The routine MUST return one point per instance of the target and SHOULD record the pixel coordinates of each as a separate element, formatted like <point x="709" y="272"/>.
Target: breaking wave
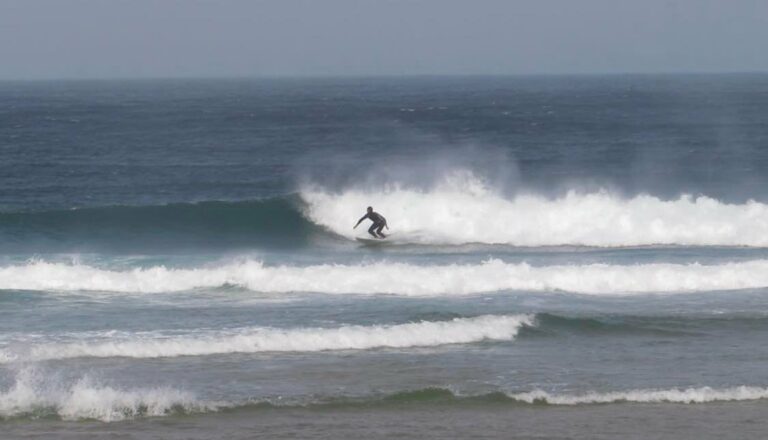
<point x="395" y="278"/>
<point x="34" y="394"/>
<point x="462" y="208"/>
<point x="259" y="339"/>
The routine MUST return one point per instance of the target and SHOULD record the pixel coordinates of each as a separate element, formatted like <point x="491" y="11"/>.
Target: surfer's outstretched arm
<point x="360" y="221"/>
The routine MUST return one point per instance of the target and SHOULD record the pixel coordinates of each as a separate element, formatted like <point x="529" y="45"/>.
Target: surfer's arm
<point x="386" y="225"/>
<point x="360" y="221"/>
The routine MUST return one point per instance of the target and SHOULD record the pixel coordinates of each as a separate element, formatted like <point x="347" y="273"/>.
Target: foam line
<point x="259" y="339"/>
<point x="687" y="395"/>
<point x="395" y="278"/>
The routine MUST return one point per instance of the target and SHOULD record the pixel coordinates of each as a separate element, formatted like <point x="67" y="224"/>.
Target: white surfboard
<point x="375" y="241"/>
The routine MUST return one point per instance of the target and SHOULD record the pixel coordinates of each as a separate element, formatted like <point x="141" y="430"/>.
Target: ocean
<point x="571" y="257"/>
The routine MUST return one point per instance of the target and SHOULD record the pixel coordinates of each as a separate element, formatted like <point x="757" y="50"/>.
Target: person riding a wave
<point x="379" y="223"/>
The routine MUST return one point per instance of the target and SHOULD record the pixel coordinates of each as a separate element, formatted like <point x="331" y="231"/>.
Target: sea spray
<point x="37" y="393"/>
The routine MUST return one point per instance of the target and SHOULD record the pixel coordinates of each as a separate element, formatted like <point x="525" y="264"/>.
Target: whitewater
<point x="35" y="393"/>
<point x="462" y="207"/>
<point x="258" y="340"/>
<point x="395" y="278"/>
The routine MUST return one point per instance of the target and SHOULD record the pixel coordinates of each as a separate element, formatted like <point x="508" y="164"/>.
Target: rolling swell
<point x="260" y="340"/>
<point x="620" y="325"/>
<point x="269" y="222"/>
<point x="689" y="395"/>
<point x="401" y="336"/>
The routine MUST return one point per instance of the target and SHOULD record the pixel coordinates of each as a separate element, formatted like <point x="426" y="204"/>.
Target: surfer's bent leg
<point x="372" y="229"/>
<point x="378" y="230"/>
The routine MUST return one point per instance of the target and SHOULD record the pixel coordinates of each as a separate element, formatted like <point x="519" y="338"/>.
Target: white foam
<point x="463" y="209"/>
<point x="687" y="395"/>
<point x="396" y="278"/>
<point x="259" y="339"/>
<point x="37" y="393"/>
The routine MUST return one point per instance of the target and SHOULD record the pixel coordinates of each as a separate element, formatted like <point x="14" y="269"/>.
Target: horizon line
<point x="380" y="76"/>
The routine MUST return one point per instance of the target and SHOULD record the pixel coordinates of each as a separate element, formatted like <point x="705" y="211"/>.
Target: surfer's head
<point x="370" y="209"/>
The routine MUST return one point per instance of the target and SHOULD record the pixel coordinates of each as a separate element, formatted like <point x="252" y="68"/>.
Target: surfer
<point x="379" y="222"/>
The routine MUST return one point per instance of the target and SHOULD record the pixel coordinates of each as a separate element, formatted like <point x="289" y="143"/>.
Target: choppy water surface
<point x="178" y="257"/>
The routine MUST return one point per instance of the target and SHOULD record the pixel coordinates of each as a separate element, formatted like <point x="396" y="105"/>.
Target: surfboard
<point x="372" y="241"/>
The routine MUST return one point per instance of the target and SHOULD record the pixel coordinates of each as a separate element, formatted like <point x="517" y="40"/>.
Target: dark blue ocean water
<point x="180" y="253"/>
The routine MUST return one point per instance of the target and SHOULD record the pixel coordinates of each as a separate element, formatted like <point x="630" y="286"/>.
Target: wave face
<point x="462" y="208"/>
<point x="272" y="222"/>
<point x="35" y="394"/>
<point x="395" y="278"/>
<point x="257" y="340"/>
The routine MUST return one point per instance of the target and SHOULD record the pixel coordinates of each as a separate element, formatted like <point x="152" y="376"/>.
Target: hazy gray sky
<point x="161" y="38"/>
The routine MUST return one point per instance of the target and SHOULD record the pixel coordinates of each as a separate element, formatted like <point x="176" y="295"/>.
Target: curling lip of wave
<point x="256" y="340"/>
<point x="395" y="278"/>
<point x="463" y="209"/>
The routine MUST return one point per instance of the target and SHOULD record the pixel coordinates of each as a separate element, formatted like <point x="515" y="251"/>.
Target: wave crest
<point x="395" y="278"/>
<point x="35" y="394"/>
<point x="259" y="339"/>
<point x="463" y="209"/>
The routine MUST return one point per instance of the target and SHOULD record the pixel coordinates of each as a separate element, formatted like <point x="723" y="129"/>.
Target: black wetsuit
<point x="378" y="224"/>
